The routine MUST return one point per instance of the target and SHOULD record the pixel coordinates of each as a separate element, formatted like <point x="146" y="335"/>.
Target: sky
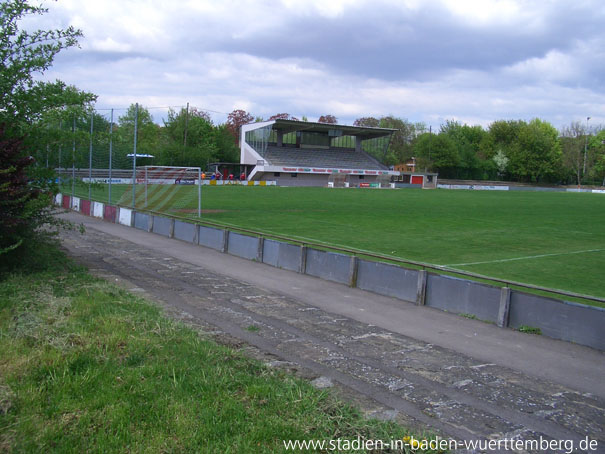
<point x="474" y="61"/>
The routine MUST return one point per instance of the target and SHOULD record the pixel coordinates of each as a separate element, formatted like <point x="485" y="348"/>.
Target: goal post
<point x="170" y="189"/>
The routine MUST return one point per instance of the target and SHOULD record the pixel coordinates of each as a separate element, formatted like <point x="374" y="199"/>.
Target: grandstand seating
<point x="322" y="158"/>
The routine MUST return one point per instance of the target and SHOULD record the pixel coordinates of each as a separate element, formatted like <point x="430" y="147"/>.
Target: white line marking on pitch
<point x="525" y="258"/>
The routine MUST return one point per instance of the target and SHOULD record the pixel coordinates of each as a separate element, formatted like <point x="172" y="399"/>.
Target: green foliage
<point x="467" y="140"/>
<point x="25" y="201"/>
<point x="596" y="149"/>
<point x="537" y="153"/>
<point x="24" y="191"/>
<point x="190" y="139"/>
<point x="401" y="145"/>
<point x="148" y="133"/>
<point x="24" y="54"/>
<point x="438" y="153"/>
<point x="530" y="330"/>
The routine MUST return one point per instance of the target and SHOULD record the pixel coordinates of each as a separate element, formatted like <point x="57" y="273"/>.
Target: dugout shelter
<point x="301" y="153"/>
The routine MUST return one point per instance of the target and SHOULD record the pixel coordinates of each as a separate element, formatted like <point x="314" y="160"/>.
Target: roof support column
<point x="357" y="143"/>
<point x="280" y="138"/>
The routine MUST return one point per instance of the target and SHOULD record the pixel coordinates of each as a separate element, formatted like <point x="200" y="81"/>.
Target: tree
<point x="400" y="147"/>
<point x="236" y="120"/>
<point x="148" y="133"/>
<point x="501" y="162"/>
<point x="188" y="139"/>
<point x="24" y="54"/>
<point x="370" y="122"/>
<point x="437" y="152"/>
<point x="25" y="199"/>
<point x="537" y="153"/>
<point x="330" y="119"/>
<point x="282" y="116"/>
<point x="596" y="147"/>
<point x="467" y="140"/>
<point x="573" y="143"/>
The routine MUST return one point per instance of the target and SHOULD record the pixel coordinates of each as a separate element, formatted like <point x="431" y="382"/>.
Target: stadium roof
<point x="367" y="132"/>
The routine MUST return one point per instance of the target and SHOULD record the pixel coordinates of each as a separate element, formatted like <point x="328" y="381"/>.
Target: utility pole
<point x="585" y="147"/>
<point x="134" y="155"/>
<point x="185" y="132"/>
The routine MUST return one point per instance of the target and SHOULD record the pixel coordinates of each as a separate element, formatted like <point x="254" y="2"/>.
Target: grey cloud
<point x="387" y="43"/>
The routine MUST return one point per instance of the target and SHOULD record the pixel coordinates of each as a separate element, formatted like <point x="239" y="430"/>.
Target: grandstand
<point x="300" y="153"/>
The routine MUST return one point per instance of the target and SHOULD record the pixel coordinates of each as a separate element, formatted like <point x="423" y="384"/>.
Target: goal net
<point x="172" y="190"/>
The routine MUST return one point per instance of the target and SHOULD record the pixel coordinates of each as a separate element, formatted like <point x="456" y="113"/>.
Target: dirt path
<point x="401" y="377"/>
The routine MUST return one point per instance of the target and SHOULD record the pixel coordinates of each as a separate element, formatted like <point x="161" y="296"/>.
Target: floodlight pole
<point x="110" y="153"/>
<point x="90" y="158"/>
<point x="73" y="160"/>
<point x="585" y="147"/>
<point x="199" y="192"/>
<point x="145" y="186"/>
<point x="60" y="149"/>
<point x="134" y="155"/>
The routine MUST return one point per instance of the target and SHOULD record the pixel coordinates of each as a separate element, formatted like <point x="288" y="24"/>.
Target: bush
<point x="25" y="201"/>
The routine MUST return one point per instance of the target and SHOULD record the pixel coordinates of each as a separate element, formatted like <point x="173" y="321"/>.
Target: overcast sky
<point x="474" y="61"/>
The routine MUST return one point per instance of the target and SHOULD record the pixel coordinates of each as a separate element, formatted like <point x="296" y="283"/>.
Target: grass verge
<point x="88" y="367"/>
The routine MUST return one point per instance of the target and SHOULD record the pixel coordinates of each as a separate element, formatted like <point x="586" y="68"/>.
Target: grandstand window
<point x="344" y="142"/>
<point x="293" y="175"/>
<point x="377" y="146"/>
<point x="361" y="177"/>
<point x="259" y="139"/>
<point x="316" y="139"/>
<point x="277" y="174"/>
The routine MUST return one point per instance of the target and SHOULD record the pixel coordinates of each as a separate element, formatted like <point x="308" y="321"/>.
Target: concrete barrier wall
<point x="555" y="318"/>
<point x="142" y="221"/>
<point x="75" y="203"/>
<point x="243" y="246"/>
<point x="110" y="213"/>
<point x="559" y="319"/>
<point x="85" y="206"/>
<point x="212" y="238"/>
<point x="125" y="216"/>
<point x="97" y="209"/>
<point x="281" y="255"/>
<point x="162" y="226"/>
<point x="185" y="231"/>
<point x="463" y="297"/>
<point x="389" y="280"/>
<point x="328" y="265"/>
<point x="531" y="188"/>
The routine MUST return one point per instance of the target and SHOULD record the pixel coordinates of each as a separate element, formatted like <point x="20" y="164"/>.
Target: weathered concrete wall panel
<point x="328" y="265"/>
<point x="559" y="319"/>
<point x="212" y="238"/>
<point x="243" y="246"/>
<point x="463" y="297"/>
<point x="389" y="280"/>
<point x="162" y="226"/>
<point x="85" y="207"/>
<point x="97" y="209"/>
<point x="141" y="221"/>
<point x="185" y="231"/>
<point x="110" y="214"/>
<point x="125" y="216"/>
<point x="281" y="255"/>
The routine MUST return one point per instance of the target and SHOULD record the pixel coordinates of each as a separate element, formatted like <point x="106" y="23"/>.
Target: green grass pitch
<point x="554" y="240"/>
